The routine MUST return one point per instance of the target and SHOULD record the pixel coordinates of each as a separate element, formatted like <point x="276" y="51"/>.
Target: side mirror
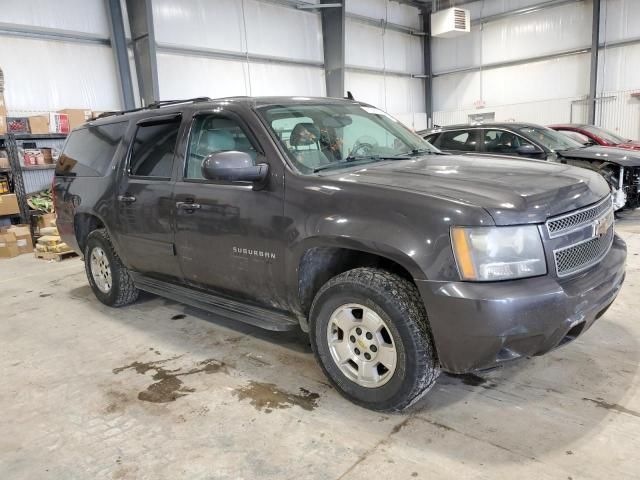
<point x="528" y="149"/>
<point x="233" y="166"/>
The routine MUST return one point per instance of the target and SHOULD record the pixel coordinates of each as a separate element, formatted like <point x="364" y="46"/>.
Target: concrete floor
<point x="160" y="391"/>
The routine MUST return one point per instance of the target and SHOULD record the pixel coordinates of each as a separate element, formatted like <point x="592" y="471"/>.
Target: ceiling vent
<point x="450" y="22"/>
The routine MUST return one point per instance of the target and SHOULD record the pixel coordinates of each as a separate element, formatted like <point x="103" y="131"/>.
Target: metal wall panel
<point x="58" y="75"/>
<point x="617" y="111"/>
<point x="88" y="16"/>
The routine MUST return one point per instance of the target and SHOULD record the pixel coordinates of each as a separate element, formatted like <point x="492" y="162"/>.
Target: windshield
<point x="550" y="138"/>
<point x="605" y="134"/>
<point x="327" y="136"/>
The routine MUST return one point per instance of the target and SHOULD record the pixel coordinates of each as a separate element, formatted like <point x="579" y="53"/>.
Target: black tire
<point x="398" y="303"/>
<point x="123" y="291"/>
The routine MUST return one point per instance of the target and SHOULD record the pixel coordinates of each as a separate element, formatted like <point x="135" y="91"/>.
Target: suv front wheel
<point x="370" y="334"/>
<point x="108" y="277"/>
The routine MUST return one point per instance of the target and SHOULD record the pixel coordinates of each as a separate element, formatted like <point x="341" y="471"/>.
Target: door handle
<point x="188" y="206"/>
<point x="126" y="198"/>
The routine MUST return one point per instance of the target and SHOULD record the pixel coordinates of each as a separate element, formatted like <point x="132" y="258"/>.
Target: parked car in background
<point x="621" y="168"/>
<point x="592" y="135"/>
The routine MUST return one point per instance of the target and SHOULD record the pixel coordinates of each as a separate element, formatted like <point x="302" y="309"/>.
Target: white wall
<point x="374" y="47"/>
<point x="541" y="91"/>
<point x="271" y="30"/>
<point x="43" y="75"/>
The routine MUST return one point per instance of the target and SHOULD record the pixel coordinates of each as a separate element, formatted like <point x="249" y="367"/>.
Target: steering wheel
<point x="363" y="147"/>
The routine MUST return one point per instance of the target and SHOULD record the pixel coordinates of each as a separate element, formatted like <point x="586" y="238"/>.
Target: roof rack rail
<point x="154" y="105"/>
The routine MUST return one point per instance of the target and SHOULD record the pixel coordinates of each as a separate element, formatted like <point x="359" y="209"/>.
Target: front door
<point x="229" y="237"/>
<point x="144" y="203"/>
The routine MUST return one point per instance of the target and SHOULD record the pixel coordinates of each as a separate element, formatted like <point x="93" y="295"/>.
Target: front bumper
<point x="480" y="325"/>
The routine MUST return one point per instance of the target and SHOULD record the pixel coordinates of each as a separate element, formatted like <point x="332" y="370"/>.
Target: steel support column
<point x="144" y="49"/>
<point x="428" y="81"/>
<point x="333" y="41"/>
<point x="120" y="52"/>
<point x="593" y="74"/>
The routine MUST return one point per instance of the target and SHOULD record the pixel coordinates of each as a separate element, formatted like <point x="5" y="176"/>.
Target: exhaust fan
<point x="450" y="22"/>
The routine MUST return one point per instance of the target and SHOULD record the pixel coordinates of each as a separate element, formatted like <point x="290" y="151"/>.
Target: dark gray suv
<point x="330" y="216"/>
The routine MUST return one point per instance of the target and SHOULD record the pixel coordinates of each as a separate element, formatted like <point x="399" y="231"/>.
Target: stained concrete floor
<point x="161" y="391"/>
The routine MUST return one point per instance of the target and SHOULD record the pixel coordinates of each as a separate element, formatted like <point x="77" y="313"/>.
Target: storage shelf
<point x="39" y="167"/>
<point x="37" y="136"/>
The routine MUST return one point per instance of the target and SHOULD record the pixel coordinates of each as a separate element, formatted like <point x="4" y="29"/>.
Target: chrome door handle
<point x="126" y="198"/>
<point x="188" y="206"/>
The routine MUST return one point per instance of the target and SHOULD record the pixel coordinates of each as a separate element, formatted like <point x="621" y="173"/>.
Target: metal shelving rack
<point x="9" y="141"/>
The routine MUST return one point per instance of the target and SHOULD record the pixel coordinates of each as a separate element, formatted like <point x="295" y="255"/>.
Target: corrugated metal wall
<point x="616" y="111"/>
<point x="548" y="91"/>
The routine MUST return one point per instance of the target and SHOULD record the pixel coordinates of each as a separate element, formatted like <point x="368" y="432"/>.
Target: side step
<point x="225" y="307"/>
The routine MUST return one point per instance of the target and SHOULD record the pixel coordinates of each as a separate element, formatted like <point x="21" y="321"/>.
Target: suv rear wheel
<point x="108" y="277"/>
<point x="370" y="334"/>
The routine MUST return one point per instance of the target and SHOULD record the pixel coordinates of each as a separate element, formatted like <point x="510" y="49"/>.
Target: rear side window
<point x="465" y="141"/>
<point x="153" y="150"/>
<point x="89" y="151"/>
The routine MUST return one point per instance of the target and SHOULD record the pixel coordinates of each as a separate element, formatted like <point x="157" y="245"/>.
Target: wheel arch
<point x="321" y="259"/>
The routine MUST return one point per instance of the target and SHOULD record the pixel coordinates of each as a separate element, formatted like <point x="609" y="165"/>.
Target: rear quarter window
<point x="89" y="151"/>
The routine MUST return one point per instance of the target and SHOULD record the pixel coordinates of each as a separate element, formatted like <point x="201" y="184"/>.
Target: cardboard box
<point x="47" y="153"/>
<point x="76" y="116"/>
<point x="39" y="124"/>
<point x="23" y="238"/>
<point x="9" y="204"/>
<point x="18" y="125"/>
<point x="58" y="123"/>
<point x="3" y="114"/>
<point x="8" y="245"/>
<point x="4" y="159"/>
<point x="47" y="220"/>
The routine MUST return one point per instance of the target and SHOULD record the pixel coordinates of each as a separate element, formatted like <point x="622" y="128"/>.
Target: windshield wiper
<point x="349" y="161"/>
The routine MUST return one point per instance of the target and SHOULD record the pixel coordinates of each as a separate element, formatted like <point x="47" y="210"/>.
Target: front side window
<point x="153" y="149"/>
<point x="503" y="142"/>
<point x="322" y="136"/>
<point x="211" y="134"/>
<point x="554" y="141"/>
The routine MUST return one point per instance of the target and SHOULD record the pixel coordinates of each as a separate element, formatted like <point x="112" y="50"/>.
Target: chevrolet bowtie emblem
<point x="601" y="227"/>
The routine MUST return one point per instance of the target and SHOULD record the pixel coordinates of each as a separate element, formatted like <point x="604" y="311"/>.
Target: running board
<point x="225" y="307"/>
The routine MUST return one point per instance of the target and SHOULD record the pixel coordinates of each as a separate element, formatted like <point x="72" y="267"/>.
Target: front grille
<point x="560" y="225"/>
<point x="583" y="255"/>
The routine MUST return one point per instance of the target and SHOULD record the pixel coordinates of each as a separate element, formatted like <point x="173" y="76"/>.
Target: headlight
<point x="498" y="253"/>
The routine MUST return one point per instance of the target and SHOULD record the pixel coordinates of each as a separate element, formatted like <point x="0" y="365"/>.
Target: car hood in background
<point x="513" y="191"/>
<point x="621" y="156"/>
<point x="629" y="145"/>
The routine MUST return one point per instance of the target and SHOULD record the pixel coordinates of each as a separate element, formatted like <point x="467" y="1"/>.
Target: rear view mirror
<point x="233" y="166"/>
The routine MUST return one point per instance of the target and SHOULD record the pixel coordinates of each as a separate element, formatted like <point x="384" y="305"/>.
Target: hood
<point x="629" y="145"/>
<point x="513" y="191"/>
<point x="621" y="156"/>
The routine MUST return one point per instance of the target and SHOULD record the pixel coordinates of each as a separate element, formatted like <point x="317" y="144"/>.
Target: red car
<point x="591" y="135"/>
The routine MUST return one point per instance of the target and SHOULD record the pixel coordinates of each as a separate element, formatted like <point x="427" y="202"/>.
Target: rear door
<point x="145" y="207"/>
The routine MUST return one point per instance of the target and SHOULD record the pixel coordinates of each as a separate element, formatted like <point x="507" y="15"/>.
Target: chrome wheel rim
<point x="101" y="270"/>
<point x="361" y="345"/>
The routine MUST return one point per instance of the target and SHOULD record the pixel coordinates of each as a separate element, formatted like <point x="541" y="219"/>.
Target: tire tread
<point x="405" y="294"/>
<point x="127" y="292"/>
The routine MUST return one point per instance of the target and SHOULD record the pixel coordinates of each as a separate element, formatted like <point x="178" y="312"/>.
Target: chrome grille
<point x="565" y="223"/>
<point x="583" y="255"/>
